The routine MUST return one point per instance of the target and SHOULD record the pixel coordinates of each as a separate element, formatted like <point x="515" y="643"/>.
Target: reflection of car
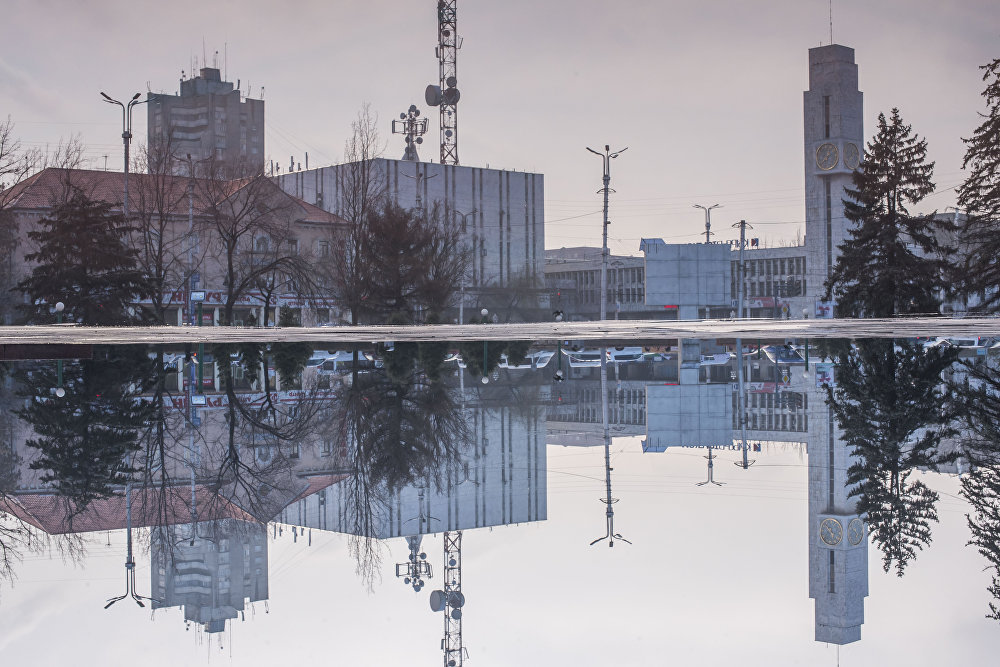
<point x="583" y="358"/>
<point x="625" y="354"/>
<point x="534" y="360"/>
<point x="720" y="359"/>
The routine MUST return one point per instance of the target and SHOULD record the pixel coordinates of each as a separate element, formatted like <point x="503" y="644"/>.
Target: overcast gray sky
<point x="707" y="96"/>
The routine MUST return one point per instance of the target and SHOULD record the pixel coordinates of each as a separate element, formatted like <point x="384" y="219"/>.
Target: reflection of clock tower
<point x="838" y="545"/>
<point x="834" y="137"/>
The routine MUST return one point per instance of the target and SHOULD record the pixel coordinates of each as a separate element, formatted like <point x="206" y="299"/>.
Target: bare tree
<point x="362" y="190"/>
<point x="251" y="224"/>
<point x="163" y="236"/>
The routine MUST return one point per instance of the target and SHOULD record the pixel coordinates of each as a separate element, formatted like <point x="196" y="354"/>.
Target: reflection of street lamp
<point x="129" y="560"/>
<point x="126" y="135"/>
<point x="558" y="377"/>
<point x="484" y="312"/>
<point x="60" y="392"/>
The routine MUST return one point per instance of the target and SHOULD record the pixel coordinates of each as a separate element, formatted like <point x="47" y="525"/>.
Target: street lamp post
<point x="708" y="219"/>
<point x="461" y="304"/>
<point x="126" y="135"/>
<point x="606" y="158"/>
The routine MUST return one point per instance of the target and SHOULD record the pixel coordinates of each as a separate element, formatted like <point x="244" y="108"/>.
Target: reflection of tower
<point x="445" y="95"/>
<point x="416" y="568"/>
<point x="834" y="135"/>
<point x="212" y="573"/>
<point x="838" y="550"/>
<point x="451" y="600"/>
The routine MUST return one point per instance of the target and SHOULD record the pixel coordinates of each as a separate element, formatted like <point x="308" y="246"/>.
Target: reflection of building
<point x="682" y="280"/>
<point x="783" y="404"/>
<point x="498" y="480"/>
<point x="210" y="119"/>
<point x="212" y="573"/>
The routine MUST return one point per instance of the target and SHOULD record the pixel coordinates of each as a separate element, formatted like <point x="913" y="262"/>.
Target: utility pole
<point x="606" y="157"/>
<point x="740" y="271"/>
<point x="741" y="395"/>
<point x="708" y="219"/>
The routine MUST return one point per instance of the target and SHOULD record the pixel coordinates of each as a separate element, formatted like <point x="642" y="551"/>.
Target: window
<point x="293" y="246"/>
<point x="261" y="244"/>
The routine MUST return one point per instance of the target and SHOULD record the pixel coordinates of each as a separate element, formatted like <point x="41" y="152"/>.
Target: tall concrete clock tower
<point x="834" y="145"/>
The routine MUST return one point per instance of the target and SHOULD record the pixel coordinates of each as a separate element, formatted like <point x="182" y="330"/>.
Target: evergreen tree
<point x="979" y="196"/>
<point x="84" y="438"/>
<point x="977" y="398"/>
<point x="890" y="406"/>
<point x="878" y="273"/>
<point x="84" y="262"/>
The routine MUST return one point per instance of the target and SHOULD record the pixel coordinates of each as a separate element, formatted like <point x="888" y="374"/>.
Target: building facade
<point x="500" y="215"/>
<point x="209" y="121"/>
<point x="780" y="282"/>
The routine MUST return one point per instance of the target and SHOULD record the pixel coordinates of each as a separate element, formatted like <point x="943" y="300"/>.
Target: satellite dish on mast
<point x="437" y="600"/>
<point x="432" y="95"/>
<point x="450" y="96"/>
<point x="456" y="599"/>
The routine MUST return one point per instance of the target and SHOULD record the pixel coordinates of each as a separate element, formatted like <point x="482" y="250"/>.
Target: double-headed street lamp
<point x="126" y="134"/>
<point x="606" y="157"/>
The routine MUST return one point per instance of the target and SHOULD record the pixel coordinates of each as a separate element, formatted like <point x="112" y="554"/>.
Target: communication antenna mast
<point x="412" y="126"/>
<point x="445" y="95"/>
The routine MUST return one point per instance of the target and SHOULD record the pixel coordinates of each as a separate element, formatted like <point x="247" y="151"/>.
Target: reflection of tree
<point x="889" y="404"/>
<point x="980" y="398"/>
<point x="402" y="428"/>
<point x="253" y="467"/>
<point x="85" y="437"/>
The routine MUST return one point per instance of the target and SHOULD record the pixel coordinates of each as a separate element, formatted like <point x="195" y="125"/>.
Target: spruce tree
<point x="879" y="273"/>
<point x="83" y="261"/>
<point x="890" y="406"/>
<point x="85" y="438"/>
<point x="979" y="196"/>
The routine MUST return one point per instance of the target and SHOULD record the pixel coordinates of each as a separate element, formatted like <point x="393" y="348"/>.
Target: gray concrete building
<point x="209" y="120"/>
<point x="500" y="215"/>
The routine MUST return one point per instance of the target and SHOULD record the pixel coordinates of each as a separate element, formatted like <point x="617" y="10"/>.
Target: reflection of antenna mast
<point x="445" y="95"/>
<point x="608" y="500"/>
<point x="451" y="600"/>
<point x="710" y="467"/>
<point x="416" y="569"/>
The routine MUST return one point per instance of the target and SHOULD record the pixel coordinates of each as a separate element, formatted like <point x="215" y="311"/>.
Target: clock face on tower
<point x="855" y="531"/>
<point x="852" y="157"/>
<point x="831" y="531"/>
<point x="826" y="156"/>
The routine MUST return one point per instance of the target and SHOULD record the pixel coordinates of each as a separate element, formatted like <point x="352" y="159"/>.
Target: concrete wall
<point x="689" y="276"/>
<point x="506" y="233"/>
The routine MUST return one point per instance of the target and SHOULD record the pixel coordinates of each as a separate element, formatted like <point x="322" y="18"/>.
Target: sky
<point x="706" y="96"/>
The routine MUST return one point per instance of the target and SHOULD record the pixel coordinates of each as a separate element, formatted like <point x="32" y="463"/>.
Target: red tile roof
<point x="40" y="191"/>
<point x="150" y="507"/>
